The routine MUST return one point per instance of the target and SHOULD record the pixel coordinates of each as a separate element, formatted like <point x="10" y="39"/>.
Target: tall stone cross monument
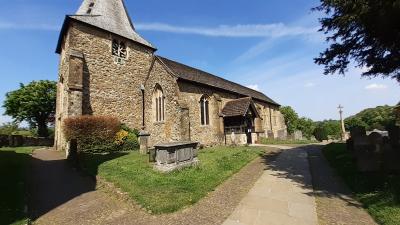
<point x="343" y="134"/>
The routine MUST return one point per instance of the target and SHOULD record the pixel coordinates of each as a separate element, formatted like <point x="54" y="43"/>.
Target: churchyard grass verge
<point x="379" y="192"/>
<point x="169" y="192"/>
<point x="14" y="163"/>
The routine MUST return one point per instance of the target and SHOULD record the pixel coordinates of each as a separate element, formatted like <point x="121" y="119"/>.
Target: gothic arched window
<point x="158" y="103"/>
<point x="204" y="111"/>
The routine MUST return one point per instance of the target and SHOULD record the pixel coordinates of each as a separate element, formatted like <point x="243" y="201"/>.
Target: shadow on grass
<point x="53" y="180"/>
<point x="12" y="186"/>
<point x="377" y="191"/>
<point x="89" y="163"/>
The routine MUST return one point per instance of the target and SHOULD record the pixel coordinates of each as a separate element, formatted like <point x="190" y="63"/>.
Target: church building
<point x="107" y="68"/>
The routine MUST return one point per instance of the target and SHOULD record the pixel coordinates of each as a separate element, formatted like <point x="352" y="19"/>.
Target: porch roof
<point x="239" y="107"/>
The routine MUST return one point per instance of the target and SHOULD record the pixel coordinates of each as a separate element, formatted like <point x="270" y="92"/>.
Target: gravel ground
<point x="82" y="202"/>
<point x="335" y="204"/>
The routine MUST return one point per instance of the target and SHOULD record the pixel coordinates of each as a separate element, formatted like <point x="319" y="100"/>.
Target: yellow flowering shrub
<point x="120" y="137"/>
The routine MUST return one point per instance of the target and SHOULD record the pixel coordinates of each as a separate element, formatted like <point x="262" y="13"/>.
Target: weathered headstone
<point x="394" y="135"/>
<point x="357" y="131"/>
<point x="367" y="159"/>
<point x="390" y="158"/>
<point x="376" y="141"/>
<point x="298" y="135"/>
<point x="350" y="147"/>
<point x="282" y="134"/>
<point x="270" y="134"/>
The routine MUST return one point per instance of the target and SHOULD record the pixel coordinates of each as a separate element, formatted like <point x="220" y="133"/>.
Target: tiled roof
<point x="238" y="107"/>
<point x="188" y="73"/>
<point x="109" y="15"/>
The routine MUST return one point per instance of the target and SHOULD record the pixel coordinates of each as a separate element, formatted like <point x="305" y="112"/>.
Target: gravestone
<point x="367" y="159"/>
<point x="175" y="155"/>
<point x="376" y="141"/>
<point x="270" y="134"/>
<point x="282" y="134"/>
<point x="357" y="131"/>
<point x="394" y="135"/>
<point x="390" y="158"/>
<point x="298" y="135"/>
<point x="350" y="147"/>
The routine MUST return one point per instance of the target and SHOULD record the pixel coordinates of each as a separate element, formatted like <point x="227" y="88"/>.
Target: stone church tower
<point x="103" y="64"/>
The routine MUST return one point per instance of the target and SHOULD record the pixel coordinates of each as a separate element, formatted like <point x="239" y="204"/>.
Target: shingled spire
<point x="109" y="15"/>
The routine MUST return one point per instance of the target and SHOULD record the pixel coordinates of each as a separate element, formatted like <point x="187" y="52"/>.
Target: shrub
<point x="129" y="130"/>
<point x="127" y="138"/>
<point x="93" y="133"/>
<point x="131" y="142"/>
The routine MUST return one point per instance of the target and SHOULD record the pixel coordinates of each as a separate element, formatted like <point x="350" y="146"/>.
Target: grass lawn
<point x="13" y="167"/>
<point x="267" y="141"/>
<point x="378" y="192"/>
<point x="166" y="193"/>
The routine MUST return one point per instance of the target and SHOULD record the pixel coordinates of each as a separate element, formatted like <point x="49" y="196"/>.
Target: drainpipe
<point x="143" y="106"/>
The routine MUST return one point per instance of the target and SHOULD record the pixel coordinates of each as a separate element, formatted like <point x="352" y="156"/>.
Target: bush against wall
<point x="127" y="138"/>
<point x="93" y="133"/>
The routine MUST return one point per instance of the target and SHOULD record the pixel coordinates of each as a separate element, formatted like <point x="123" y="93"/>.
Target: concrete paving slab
<point x="283" y="195"/>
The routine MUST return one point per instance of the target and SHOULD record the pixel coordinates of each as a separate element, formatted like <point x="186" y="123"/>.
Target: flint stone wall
<point x="91" y="82"/>
<point x="21" y="141"/>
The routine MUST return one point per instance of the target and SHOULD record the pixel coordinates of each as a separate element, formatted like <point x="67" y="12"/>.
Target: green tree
<point x="291" y="118"/>
<point x="307" y="127"/>
<point x="34" y="103"/>
<point x="327" y="129"/>
<point x="366" y="31"/>
<point x="374" y="118"/>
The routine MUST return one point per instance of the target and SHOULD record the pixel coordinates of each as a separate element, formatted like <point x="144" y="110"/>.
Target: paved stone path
<point x="282" y="195"/>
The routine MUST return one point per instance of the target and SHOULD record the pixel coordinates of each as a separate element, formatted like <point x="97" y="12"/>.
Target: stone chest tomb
<point x="175" y="155"/>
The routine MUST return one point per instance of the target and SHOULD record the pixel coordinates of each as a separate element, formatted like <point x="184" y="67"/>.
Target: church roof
<point x="188" y="73"/>
<point x="238" y="107"/>
<point x="108" y="15"/>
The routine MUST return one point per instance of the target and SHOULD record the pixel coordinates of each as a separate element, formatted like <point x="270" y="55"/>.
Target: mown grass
<point x="267" y="141"/>
<point x="13" y="167"/>
<point x="166" y="193"/>
<point x="378" y="192"/>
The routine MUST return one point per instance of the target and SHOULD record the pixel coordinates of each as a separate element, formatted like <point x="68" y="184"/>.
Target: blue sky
<point x="266" y="45"/>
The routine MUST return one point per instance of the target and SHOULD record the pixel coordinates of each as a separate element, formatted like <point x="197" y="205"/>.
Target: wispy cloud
<point x="254" y="87"/>
<point x="240" y="30"/>
<point x="375" y="86"/>
<point x="272" y="30"/>
<point x="17" y="26"/>
<point x="309" y="85"/>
